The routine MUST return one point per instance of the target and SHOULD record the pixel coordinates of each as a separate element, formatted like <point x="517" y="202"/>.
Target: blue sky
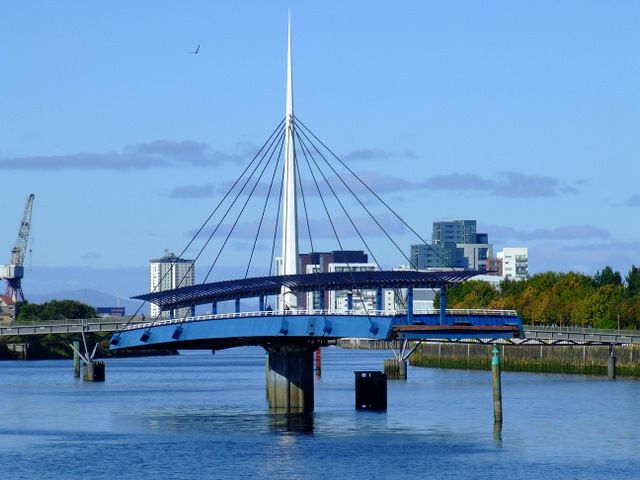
<point x="522" y="115"/>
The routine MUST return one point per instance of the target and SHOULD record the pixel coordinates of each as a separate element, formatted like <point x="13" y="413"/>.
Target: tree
<point x="607" y="277"/>
<point x="633" y="281"/>
<point x="55" y="309"/>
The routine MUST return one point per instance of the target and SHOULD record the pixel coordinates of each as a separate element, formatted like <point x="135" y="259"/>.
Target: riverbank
<point x="574" y="359"/>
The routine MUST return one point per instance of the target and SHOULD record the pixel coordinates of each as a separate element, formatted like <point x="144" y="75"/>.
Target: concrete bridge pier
<point x="290" y="377"/>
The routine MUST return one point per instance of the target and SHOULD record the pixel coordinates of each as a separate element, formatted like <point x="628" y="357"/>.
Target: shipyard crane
<point x="14" y="271"/>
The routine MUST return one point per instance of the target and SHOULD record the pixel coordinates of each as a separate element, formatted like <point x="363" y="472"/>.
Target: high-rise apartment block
<point x="167" y="273"/>
<point x="454" y="244"/>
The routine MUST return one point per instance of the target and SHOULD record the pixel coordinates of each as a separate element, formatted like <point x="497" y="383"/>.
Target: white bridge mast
<point x="289" y="209"/>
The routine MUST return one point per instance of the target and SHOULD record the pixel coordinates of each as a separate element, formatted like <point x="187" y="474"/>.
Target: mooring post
<point x="611" y="364"/>
<point x="76" y="359"/>
<point x="443" y="305"/>
<point x="497" y="387"/>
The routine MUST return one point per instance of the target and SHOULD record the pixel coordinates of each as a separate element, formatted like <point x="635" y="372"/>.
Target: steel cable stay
<point x="364" y="184"/>
<point x="335" y="232"/>
<point x="326" y="181"/>
<point x="230" y="207"/>
<point x="361" y="203"/>
<point x="274" y="134"/>
<point x="306" y="216"/>
<point x="444" y="259"/>
<point x="240" y="192"/>
<point x="275" y="228"/>
<point x="264" y="209"/>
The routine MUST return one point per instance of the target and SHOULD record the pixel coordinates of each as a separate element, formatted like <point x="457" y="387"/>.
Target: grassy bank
<point x="590" y="360"/>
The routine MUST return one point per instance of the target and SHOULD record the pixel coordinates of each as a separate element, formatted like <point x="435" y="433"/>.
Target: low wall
<point x="530" y="358"/>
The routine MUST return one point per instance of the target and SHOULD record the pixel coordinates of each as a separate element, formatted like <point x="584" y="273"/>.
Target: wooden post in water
<point x="76" y="359"/>
<point x="497" y="387"/>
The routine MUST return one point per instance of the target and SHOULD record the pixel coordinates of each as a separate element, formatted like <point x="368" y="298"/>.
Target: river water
<point x="203" y="416"/>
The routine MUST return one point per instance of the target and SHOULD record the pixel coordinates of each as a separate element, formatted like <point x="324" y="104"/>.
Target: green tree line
<point x="604" y="300"/>
<point x="54" y="310"/>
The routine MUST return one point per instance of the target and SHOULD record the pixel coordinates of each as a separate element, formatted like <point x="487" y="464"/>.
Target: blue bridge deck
<point x="260" y="327"/>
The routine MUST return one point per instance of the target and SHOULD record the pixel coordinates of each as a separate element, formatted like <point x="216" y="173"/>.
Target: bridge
<point x="300" y="322"/>
<point x="531" y="335"/>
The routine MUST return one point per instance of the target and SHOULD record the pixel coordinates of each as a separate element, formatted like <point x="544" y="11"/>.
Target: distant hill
<point x="90" y="297"/>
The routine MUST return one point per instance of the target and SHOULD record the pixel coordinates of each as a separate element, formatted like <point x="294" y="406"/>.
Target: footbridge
<point x="307" y="301"/>
<point x="301" y="325"/>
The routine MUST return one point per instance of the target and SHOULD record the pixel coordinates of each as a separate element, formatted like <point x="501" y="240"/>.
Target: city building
<point x="454" y="244"/>
<point x="338" y="261"/>
<point x="515" y="263"/>
<point x="167" y="273"/>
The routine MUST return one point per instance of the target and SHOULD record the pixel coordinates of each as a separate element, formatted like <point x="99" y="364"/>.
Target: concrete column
<point x="89" y="372"/>
<point x="395" y="369"/>
<point x="94" y="372"/>
<point x="443" y="305"/>
<point x="76" y="359"/>
<point x="290" y="378"/>
<point x="497" y="386"/>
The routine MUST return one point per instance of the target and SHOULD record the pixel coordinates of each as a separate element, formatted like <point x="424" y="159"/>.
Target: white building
<point x="362" y="300"/>
<point x="167" y="273"/>
<point x="515" y="263"/>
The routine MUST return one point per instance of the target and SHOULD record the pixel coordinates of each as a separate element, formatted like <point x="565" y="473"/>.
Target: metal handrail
<point x="586" y="331"/>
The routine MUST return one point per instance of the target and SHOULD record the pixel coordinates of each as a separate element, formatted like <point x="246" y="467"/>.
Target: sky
<point x="522" y="115"/>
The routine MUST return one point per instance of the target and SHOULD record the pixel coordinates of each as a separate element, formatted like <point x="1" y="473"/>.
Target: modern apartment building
<point x="454" y="244"/>
<point x="167" y="273"/>
<point x="515" y="262"/>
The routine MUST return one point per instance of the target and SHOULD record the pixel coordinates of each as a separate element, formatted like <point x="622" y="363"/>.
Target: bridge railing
<point x="580" y="330"/>
<point x="67" y="321"/>
<point x="312" y="312"/>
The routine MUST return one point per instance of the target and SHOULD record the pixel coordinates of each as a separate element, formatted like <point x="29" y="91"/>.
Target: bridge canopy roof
<point x="263" y="286"/>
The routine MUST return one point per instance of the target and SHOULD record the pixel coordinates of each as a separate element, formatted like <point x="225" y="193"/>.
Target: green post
<point x="497" y="387"/>
<point x="76" y="359"/>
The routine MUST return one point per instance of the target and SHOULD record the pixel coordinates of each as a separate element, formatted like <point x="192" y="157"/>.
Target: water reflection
<point x="291" y="423"/>
<point x="497" y="434"/>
